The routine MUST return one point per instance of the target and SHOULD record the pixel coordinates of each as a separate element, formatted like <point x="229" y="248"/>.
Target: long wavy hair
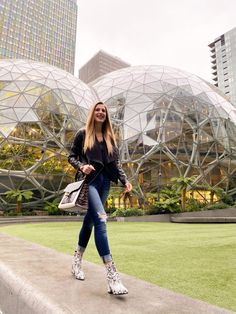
<point x="107" y="130"/>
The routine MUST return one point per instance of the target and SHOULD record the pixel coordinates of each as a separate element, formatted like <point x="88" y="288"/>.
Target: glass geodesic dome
<point x="41" y="108"/>
<point x="170" y="123"/>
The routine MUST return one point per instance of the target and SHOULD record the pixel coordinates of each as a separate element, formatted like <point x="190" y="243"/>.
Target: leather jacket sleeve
<point x="75" y="157"/>
<point x="121" y="174"/>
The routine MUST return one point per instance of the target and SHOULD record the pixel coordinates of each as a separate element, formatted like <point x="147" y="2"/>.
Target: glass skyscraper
<point x="41" y="30"/>
<point x="223" y="59"/>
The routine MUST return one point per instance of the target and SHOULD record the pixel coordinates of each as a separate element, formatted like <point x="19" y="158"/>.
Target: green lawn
<point x="198" y="260"/>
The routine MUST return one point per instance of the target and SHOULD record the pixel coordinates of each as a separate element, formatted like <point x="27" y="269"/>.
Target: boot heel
<point x="109" y="289"/>
<point x="114" y="284"/>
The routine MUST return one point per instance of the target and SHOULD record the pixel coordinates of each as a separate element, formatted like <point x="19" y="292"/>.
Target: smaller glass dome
<point x="41" y="109"/>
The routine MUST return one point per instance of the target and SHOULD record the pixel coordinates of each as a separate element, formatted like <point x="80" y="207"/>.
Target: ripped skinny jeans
<point x="96" y="216"/>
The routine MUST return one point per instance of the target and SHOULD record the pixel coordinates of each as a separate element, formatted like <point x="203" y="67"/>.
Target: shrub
<point x="119" y="212"/>
<point x="216" y="206"/>
<point x="11" y="212"/>
<point x="170" y="205"/>
<point x="52" y="207"/>
<point x="133" y="212"/>
<point x="110" y="210"/>
<point x="122" y="212"/>
<point x="193" y="205"/>
<point x="227" y="199"/>
<point x="28" y="213"/>
<point x="153" y="210"/>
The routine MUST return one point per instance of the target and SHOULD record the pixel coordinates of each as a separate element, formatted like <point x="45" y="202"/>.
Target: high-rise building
<point x="100" y="64"/>
<point x="223" y="59"/>
<point x="41" y="30"/>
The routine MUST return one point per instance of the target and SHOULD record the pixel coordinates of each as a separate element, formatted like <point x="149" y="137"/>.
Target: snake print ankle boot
<point x="114" y="283"/>
<point x="77" y="266"/>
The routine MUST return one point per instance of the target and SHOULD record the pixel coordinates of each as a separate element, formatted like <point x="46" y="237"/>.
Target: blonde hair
<point x="107" y="130"/>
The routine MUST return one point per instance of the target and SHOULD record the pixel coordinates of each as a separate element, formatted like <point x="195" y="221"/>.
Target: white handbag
<point x="75" y="197"/>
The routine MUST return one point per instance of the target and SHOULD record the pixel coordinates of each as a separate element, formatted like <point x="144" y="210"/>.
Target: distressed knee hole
<point x="103" y="217"/>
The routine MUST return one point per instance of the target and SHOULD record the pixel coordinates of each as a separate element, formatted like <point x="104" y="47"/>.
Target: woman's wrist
<point x="128" y="186"/>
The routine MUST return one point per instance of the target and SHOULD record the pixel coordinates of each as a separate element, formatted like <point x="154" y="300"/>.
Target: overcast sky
<point x="162" y="32"/>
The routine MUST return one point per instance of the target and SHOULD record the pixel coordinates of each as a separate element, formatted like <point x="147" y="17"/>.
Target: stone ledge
<point x="227" y="215"/>
<point x="203" y="219"/>
<point x="23" y="297"/>
<point x="146" y="218"/>
<point x="31" y="219"/>
<point x="37" y="280"/>
<point x="36" y="219"/>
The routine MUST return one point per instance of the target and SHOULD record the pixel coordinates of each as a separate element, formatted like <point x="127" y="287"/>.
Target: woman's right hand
<point x="87" y="169"/>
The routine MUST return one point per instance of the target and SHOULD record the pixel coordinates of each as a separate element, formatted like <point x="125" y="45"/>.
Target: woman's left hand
<point x="128" y="187"/>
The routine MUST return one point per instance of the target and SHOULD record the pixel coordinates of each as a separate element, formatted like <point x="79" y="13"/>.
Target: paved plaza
<point x="37" y="280"/>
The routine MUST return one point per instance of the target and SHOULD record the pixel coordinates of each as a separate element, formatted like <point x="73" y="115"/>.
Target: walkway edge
<point x="18" y="296"/>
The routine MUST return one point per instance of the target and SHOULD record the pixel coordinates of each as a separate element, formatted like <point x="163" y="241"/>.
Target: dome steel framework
<point x="168" y="123"/>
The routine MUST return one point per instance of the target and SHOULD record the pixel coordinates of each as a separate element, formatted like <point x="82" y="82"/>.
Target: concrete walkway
<point x="37" y="280"/>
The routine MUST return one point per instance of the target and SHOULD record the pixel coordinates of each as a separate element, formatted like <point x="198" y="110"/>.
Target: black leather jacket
<point x="78" y="158"/>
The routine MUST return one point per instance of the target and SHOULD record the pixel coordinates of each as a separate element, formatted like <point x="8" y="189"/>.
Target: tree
<point x="19" y="196"/>
<point x="181" y="184"/>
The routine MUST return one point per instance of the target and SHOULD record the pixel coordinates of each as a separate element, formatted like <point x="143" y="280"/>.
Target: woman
<point x="94" y="153"/>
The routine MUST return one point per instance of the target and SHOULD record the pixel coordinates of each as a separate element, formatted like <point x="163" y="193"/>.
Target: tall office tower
<point x="223" y="59"/>
<point x="41" y="30"/>
<point x="99" y="65"/>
